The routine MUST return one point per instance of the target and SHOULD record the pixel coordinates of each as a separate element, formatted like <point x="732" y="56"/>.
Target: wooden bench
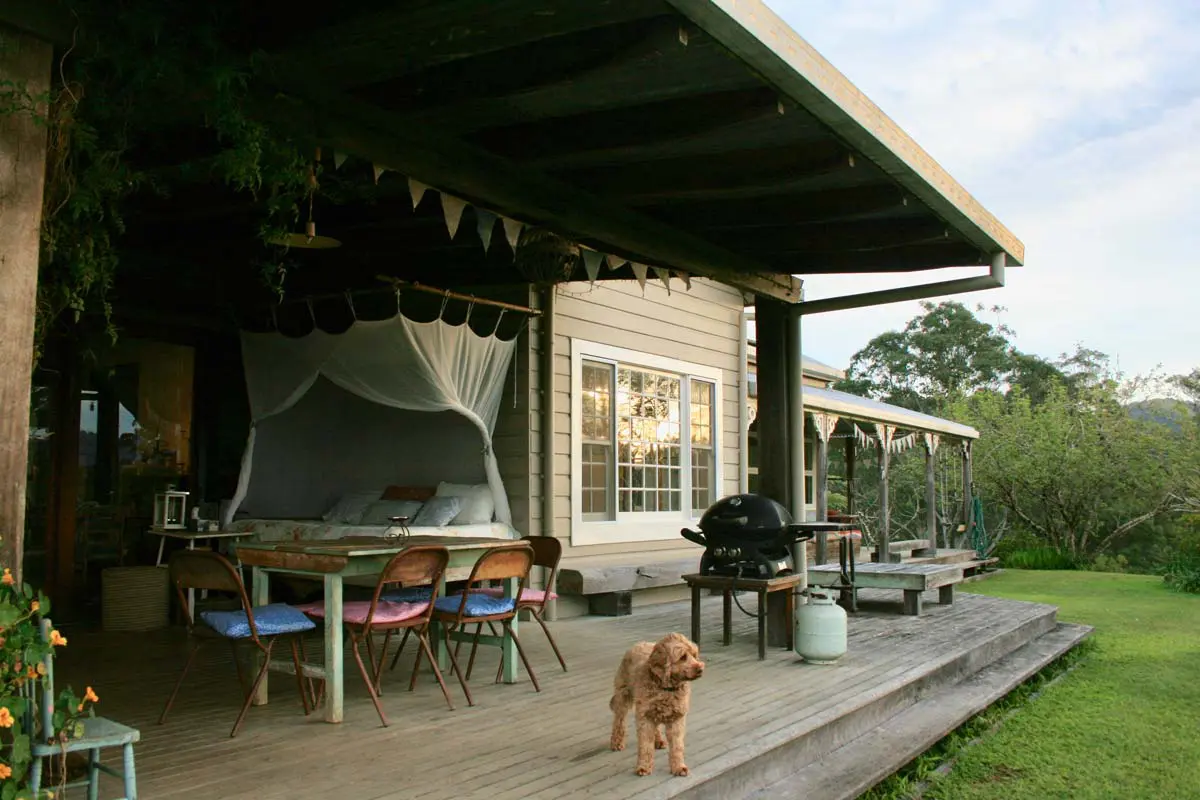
<point x="781" y="612"/>
<point x="609" y="587"/>
<point x="913" y="579"/>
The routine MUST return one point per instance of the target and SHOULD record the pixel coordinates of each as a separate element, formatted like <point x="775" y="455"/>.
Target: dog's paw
<point x="642" y="770"/>
<point x="659" y="742"/>
<point x="681" y="771"/>
<point x="616" y="744"/>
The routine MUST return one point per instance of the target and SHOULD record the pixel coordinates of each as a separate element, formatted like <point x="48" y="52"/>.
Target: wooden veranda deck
<point x="516" y="743"/>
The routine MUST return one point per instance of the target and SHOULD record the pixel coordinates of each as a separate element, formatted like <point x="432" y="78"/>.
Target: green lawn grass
<point x="1124" y="724"/>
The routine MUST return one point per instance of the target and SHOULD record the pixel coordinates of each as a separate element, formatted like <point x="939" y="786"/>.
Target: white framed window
<point x="645" y="444"/>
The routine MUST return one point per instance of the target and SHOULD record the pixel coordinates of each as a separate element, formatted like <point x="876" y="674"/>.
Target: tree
<point x="942" y="355"/>
<point x="1077" y="471"/>
<point x="1189" y="386"/>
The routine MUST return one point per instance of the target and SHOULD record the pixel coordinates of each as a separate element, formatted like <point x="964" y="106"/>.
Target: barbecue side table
<point x="763" y="587"/>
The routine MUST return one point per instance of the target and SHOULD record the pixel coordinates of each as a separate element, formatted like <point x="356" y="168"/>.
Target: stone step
<point x="858" y="765"/>
<point x="778" y="755"/>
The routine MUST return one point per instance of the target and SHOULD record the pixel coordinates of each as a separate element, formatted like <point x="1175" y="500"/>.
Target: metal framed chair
<point x="469" y="607"/>
<point x="98" y="733"/>
<point x="547" y="552"/>
<point x="397" y="604"/>
<point x="261" y="627"/>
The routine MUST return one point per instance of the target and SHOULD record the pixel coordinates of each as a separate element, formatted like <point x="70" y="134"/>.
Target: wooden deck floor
<point x="514" y="743"/>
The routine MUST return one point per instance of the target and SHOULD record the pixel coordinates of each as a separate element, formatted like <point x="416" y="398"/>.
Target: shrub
<point x="1182" y="573"/>
<point x="1103" y="563"/>
<point x="1039" y="558"/>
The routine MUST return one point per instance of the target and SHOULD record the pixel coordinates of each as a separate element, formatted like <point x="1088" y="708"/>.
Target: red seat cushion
<point x="527" y="595"/>
<point x="355" y="612"/>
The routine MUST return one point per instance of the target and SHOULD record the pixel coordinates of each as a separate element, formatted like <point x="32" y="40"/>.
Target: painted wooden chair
<point x="261" y="627"/>
<point x="456" y="611"/>
<point x="403" y="600"/>
<point x="99" y="733"/>
<point x="547" y="552"/>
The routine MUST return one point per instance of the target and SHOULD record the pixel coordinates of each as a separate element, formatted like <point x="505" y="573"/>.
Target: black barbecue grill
<point x="747" y="536"/>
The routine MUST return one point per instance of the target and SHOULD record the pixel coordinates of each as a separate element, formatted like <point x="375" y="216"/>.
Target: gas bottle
<point x="820" y="629"/>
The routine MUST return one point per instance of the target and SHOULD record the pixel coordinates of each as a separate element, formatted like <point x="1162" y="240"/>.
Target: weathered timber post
<point x="931" y="517"/>
<point x="24" y="63"/>
<point x="770" y="321"/>
<point x="968" y="481"/>
<point x="850" y="454"/>
<point x="886" y="433"/>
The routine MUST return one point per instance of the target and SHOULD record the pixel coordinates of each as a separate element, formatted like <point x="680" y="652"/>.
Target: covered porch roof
<point x="850" y="406"/>
<point x="702" y="135"/>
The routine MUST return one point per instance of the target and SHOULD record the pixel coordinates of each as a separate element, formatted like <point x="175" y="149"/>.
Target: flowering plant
<point x="23" y="652"/>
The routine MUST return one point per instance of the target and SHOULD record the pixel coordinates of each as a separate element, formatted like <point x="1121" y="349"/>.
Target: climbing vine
<point x="136" y="74"/>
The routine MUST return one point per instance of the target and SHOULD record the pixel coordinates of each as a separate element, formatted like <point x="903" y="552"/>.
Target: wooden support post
<point x="931" y="517"/>
<point x="968" y="481"/>
<point x="24" y="63"/>
<point x="850" y="454"/>
<point x="773" y="477"/>
<point x="884" y="553"/>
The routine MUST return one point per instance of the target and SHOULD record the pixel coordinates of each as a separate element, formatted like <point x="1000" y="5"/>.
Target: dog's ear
<point x="659" y="662"/>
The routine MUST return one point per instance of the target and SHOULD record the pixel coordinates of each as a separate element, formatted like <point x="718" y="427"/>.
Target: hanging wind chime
<point x="309" y="239"/>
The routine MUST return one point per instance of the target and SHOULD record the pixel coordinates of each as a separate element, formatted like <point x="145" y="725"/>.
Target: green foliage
<point x="132" y="76"/>
<point x="1079" y="739"/>
<point x="1182" y="573"/>
<point x="22" y="653"/>
<point x="1038" y="558"/>
<point x="940" y="355"/>
<point x="1105" y="563"/>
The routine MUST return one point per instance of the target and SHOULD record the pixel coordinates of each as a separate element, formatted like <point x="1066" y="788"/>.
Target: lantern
<point x="169" y="510"/>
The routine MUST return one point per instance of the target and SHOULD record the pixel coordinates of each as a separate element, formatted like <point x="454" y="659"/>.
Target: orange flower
<point x="6" y="718"/>
<point x="90" y="697"/>
<point x="57" y="639"/>
<point x="41" y="668"/>
<point x="5" y="772"/>
<point x="32" y="672"/>
<point x="8" y="579"/>
<point x="34" y="606"/>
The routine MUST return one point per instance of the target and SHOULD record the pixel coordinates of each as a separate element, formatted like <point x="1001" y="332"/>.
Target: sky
<point x="1077" y="124"/>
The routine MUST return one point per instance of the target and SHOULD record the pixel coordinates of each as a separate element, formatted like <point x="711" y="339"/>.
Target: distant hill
<point x="1163" y="410"/>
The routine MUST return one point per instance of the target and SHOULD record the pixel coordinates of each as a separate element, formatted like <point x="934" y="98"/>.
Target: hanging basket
<point x="135" y="598"/>
<point x="545" y="258"/>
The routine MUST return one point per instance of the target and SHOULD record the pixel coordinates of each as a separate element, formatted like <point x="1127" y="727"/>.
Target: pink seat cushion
<point x="355" y="612"/>
<point x="527" y="595"/>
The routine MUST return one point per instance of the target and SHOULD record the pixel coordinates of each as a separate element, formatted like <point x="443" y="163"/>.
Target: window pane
<point x="597" y="470"/>
<point x="647" y="417"/>
<point x="597" y="392"/>
<point x="702" y="479"/>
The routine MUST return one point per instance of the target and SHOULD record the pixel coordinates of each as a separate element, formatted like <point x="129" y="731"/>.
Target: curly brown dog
<point x="654" y="679"/>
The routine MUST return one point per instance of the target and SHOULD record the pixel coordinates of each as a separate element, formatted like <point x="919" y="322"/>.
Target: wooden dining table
<point x="334" y="560"/>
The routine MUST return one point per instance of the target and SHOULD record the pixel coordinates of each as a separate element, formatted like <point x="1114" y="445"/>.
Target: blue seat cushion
<point x="270" y="620"/>
<point x="410" y="594"/>
<point x="478" y="605"/>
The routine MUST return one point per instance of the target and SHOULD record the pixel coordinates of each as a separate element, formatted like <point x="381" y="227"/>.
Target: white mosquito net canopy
<point x="389" y="402"/>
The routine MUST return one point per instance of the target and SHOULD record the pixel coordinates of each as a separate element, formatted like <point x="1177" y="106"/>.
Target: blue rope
<point x="978" y="530"/>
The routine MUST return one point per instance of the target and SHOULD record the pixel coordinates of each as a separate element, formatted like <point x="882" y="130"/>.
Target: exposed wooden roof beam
<point x="448" y="164"/>
<point x="649" y="70"/>
<point x="795" y="208"/>
<point x="900" y="259"/>
<point x="410" y="37"/>
<point x="858" y="236"/>
<point x="767" y="45"/>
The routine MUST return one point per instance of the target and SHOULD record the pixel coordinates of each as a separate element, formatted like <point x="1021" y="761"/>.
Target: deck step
<point x="751" y="768"/>
<point x="944" y="556"/>
<point x="858" y="765"/>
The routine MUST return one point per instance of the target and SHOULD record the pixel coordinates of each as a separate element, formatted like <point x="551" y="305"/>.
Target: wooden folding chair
<point x="418" y="566"/>
<point x="478" y="608"/>
<point x="262" y="627"/>
<point x="547" y="552"/>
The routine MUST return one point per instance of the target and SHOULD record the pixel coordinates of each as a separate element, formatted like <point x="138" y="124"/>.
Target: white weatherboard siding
<point x="699" y="328"/>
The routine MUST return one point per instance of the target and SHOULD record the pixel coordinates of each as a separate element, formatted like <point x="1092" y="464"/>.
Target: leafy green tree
<point x="1077" y="471"/>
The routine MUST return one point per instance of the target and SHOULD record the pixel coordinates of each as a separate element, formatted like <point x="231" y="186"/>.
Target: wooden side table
<point x="763" y="587"/>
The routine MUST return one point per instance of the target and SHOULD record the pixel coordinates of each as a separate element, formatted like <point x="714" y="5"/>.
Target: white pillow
<point x="349" y="508"/>
<point x="477" y="504"/>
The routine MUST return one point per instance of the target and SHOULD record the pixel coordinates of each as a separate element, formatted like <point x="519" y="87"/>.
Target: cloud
<point x="1075" y="123"/>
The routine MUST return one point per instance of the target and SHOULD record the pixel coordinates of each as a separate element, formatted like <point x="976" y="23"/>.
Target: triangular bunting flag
<point x="485" y="223"/>
<point x="416" y="191"/>
<point x="664" y="275"/>
<point x="512" y="232"/>
<point x="378" y="171"/>
<point x="591" y="263"/>
<point x="452" y="207"/>
<point x="639" y="272"/>
<point x="686" y="278"/>
<point x="615" y="262"/>
<point x="338" y="159"/>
